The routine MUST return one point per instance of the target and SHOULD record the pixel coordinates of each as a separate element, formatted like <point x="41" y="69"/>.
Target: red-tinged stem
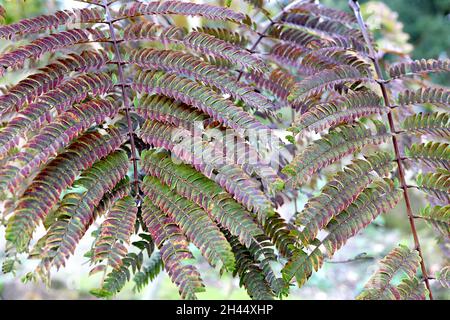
<point x="401" y="173"/>
<point x="125" y="99"/>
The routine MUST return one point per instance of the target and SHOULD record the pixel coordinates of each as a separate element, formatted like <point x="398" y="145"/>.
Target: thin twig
<point x="126" y="102"/>
<point x="356" y="9"/>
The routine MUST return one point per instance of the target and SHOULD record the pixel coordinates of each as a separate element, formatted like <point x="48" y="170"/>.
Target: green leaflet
<point x="434" y="124"/>
<point x="250" y="274"/>
<point x="438" y="217"/>
<point x="418" y="67"/>
<point x="149" y="272"/>
<point x="328" y="78"/>
<point x="191" y="184"/>
<point x="173" y="246"/>
<point x="345" y="109"/>
<point x="75" y="213"/>
<point x="115" y="232"/>
<point x="380" y="197"/>
<point x="117" y="278"/>
<point x="435" y="154"/>
<point x="194" y="222"/>
<point x="400" y="259"/>
<point x="436" y="184"/>
<point x="340" y="192"/>
<point x="333" y="146"/>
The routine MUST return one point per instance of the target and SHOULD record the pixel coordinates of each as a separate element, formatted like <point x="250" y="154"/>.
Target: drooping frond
<point x="115" y="232"/>
<point x="207" y="11"/>
<point x="60" y="99"/>
<point x="380" y="197"/>
<point x="438" y="217"/>
<point x="52" y="138"/>
<point x="191" y="66"/>
<point x="326" y="79"/>
<point x="434" y="123"/>
<point x="202" y="98"/>
<point x="120" y="190"/>
<point x="437" y="184"/>
<point x="48" y="78"/>
<point x="173" y="245"/>
<point x="411" y="289"/>
<point x="435" y="154"/>
<point x="206" y="158"/>
<point x="225" y="35"/>
<point x="250" y="274"/>
<point x="117" y="278"/>
<point x="437" y="96"/>
<point x="149" y="272"/>
<point x="53" y="179"/>
<point x="51" y="43"/>
<point x="379" y="287"/>
<point x="333" y="146"/>
<point x="217" y="203"/>
<point x="340" y="192"/>
<point x="346" y="109"/>
<point x="418" y="67"/>
<point x="206" y="193"/>
<point x="51" y="21"/>
<point x="75" y="213"/>
<point x="194" y="222"/>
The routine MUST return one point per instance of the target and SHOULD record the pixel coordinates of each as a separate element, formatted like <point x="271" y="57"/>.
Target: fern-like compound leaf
<point x="436" y="184"/>
<point x="326" y="79"/>
<point x="52" y="138"/>
<point x="75" y="213"/>
<point x="173" y="246"/>
<point x="149" y="272"/>
<point x="194" y="222"/>
<point x="438" y="217"/>
<point x="333" y="146"/>
<point x="115" y="233"/>
<point x="54" y="179"/>
<point x="434" y="123"/>
<point x="48" y="78"/>
<point x="16" y="58"/>
<point x="207" y="11"/>
<point x="340" y="192"/>
<point x="51" y="21"/>
<point x="437" y="96"/>
<point x="434" y="154"/>
<point x="205" y="193"/>
<point x="418" y="67"/>
<point x="399" y="260"/>
<point x="202" y="98"/>
<point x="60" y="99"/>
<point x="346" y="109"/>
<point x="191" y="66"/>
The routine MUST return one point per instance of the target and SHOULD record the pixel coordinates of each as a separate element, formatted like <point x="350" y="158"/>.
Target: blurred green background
<point x="420" y="28"/>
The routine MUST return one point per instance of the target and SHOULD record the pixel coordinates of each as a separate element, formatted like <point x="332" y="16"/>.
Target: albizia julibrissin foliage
<point x="157" y="137"/>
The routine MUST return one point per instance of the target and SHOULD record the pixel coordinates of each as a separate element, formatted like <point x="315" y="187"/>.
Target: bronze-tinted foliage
<point x="169" y="138"/>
